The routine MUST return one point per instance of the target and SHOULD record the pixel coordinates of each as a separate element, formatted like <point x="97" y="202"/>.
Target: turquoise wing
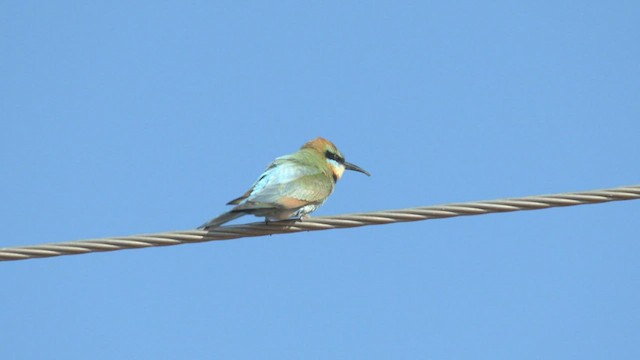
<point x="288" y="183"/>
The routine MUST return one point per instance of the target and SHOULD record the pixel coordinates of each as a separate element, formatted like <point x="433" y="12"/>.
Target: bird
<point x="292" y="186"/>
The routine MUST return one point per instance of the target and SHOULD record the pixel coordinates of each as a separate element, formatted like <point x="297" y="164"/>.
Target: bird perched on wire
<point x="293" y="185"/>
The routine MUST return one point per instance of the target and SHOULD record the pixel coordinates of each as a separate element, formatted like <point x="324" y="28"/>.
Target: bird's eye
<point x="333" y="156"/>
<point x="329" y="155"/>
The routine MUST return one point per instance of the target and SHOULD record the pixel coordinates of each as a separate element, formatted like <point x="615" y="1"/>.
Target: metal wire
<point x="320" y="223"/>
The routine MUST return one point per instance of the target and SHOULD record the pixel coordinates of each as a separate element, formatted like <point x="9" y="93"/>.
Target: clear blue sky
<point x="121" y="118"/>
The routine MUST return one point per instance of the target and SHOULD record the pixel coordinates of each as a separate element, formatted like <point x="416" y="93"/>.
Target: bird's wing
<point x="289" y="184"/>
<point x="269" y="175"/>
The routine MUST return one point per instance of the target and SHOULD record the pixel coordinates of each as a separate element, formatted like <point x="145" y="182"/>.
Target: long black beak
<point x="350" y="166"/>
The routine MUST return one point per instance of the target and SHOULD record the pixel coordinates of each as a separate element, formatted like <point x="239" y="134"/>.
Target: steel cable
<point x="320" y="223"/>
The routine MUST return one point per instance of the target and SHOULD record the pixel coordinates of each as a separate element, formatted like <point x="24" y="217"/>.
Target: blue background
<point x="121" y="118"/>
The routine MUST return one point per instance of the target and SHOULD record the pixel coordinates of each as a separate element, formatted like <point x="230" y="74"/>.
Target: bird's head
<point x="333" y="157"/>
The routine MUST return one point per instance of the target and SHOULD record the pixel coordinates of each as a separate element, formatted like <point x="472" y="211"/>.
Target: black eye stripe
<point x="335" y="157"/>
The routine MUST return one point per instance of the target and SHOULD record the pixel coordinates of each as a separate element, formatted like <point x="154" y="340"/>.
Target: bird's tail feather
<point x="226" y="217"/>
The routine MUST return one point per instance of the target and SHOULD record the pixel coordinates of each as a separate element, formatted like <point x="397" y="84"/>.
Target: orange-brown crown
<point x="321" y="145"/>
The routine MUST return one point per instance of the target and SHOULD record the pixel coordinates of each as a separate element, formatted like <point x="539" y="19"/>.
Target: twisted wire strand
<point x="321" y="223"/>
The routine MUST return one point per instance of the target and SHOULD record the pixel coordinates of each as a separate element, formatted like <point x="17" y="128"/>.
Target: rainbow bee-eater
<point x="293" y="185"/>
